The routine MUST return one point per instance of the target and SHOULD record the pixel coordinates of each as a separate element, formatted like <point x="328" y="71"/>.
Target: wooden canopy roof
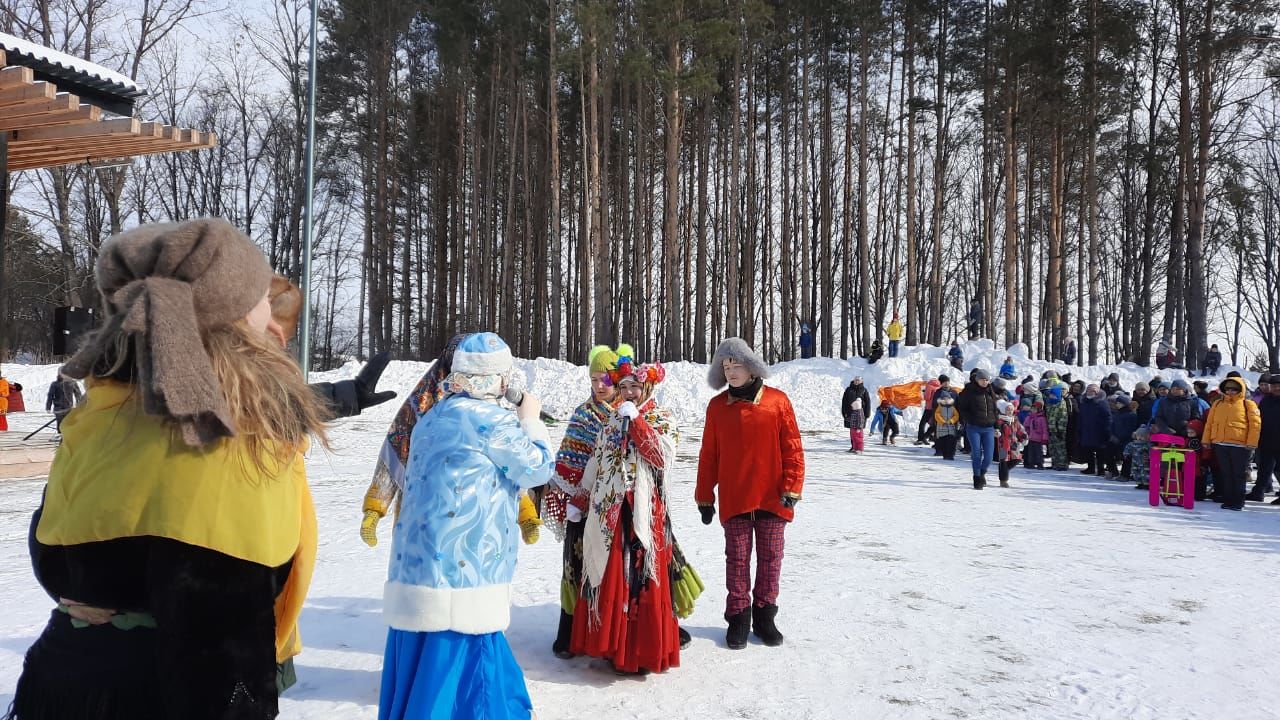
<point x="46" y="128"/>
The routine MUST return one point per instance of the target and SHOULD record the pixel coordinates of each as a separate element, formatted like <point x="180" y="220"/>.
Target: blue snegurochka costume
<point x="453" y="554"/>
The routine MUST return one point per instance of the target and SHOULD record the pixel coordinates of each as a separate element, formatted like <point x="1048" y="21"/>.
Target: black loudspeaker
<point x="70" y="324"/>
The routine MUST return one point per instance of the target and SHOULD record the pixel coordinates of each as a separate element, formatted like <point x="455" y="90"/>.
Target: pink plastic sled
<point x="1173" y="471"/>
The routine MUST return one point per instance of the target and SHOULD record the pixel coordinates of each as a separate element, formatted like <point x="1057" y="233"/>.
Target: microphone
<point x="515" y="396"/>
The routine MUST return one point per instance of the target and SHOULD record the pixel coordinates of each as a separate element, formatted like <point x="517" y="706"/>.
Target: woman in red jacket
<point x="752" y="459"/>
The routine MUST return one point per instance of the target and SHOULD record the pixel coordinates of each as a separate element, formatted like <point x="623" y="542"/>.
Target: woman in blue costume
<point x="453" y="552"/>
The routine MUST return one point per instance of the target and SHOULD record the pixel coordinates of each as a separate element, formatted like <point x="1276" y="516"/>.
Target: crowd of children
<point x="1233" y="433"/>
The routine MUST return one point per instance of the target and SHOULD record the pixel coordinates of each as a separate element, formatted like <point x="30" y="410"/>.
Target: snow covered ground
<point x="905" y="593"/>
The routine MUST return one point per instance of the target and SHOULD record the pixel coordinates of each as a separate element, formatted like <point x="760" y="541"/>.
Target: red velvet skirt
<point x="632" y="634"/>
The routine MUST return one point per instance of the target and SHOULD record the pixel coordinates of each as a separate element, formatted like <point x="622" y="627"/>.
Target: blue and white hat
<point x="482" y="354"/>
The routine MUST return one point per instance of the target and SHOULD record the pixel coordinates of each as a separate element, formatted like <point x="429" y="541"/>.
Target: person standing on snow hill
<point x="188" y="610"/>
<point x="1166" y="354"/>
<point x="855" y="398"/>
<point x="975" y="319"/>
<point x="1069" y="352"/>
<point x="625" y="606"/>
<point x="1212" y="361"/>
<point x="453" y="550"/>
<point x="752" y="457"/>
<point x="978" y="412"/>
<point x="886" y="421"/>
<point x="956" y="355"/>
<point x="1232" y="430"/>
<point x="806" y="341"/>
<point x="894" y="332"/>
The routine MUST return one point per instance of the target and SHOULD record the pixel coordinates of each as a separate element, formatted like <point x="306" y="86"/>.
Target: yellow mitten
<point x="529" y="520"/>
<point x="369" y="527"/>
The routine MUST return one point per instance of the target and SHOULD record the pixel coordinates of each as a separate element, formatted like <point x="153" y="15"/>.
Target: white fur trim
<point x="473" y="611"/>
<point x="493" y="362"/>
<point x="537" y="431"/>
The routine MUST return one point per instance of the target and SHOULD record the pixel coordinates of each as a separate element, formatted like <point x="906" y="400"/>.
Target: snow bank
<point x="814" y="385"/>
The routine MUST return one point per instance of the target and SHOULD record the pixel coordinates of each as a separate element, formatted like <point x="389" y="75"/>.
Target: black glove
<point x="789" y="501"/>
<point x="350" y="397"/>
<point x="708" y="513"/>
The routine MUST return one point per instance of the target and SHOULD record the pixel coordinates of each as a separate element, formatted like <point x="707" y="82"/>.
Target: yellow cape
<point x="123" y="473"/>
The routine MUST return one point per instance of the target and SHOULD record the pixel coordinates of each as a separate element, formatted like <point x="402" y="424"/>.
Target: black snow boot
<point x="739" y="626"/>
<point x="561" y="646"/>
<point x="685" y="638"/>
<point x="762" y="624"/>
<point x="978" y="482"/>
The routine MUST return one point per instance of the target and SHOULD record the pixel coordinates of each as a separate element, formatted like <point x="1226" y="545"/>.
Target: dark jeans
<point x="982" y="447"/>
<point x="889" y="428"/>
<point x="1233" y="465"/>
<point x="893" y="348"/>
<point x="1266" y="469"/>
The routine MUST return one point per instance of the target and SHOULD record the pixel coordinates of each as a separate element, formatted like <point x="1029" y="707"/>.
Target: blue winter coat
<point x="879" y="419"/>
<point x="1123" y="424"/>
<point x="1095" y="423"/>
<point x="453" y="551"/>
<point x="1007" y="372"/>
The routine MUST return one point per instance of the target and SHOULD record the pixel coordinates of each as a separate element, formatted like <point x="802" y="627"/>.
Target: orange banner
<point x="903" y="396"/>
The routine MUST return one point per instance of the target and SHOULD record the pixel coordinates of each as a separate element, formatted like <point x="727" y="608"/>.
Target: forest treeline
<point x="669" y="172"/>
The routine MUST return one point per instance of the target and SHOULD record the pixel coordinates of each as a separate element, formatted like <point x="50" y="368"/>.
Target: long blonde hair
<point x="273" y="408"/>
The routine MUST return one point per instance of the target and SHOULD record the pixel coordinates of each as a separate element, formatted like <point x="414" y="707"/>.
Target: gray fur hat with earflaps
<point x="736" y="349"/>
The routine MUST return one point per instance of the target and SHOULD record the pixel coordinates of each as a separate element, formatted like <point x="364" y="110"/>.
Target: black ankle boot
<point x="561" y="646"/>
<point x="685" y="637"/>
<point x="739" y="626"/>
<point x="978" y="482"/>
<point x="762" y="624"/>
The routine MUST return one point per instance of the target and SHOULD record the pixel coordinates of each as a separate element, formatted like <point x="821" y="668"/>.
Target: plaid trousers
<point x="766" y="530"/>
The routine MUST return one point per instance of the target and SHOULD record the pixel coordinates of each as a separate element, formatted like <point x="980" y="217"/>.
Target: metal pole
<point x="4" y="217"/>
<point x="304" y="349"/>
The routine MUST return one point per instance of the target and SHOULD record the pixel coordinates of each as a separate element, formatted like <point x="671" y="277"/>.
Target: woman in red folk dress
<point x="629" y="619"/>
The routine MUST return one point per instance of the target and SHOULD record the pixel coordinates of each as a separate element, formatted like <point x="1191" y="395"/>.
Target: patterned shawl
<point x="571" y="460"/>
<point x="616" y="468"/>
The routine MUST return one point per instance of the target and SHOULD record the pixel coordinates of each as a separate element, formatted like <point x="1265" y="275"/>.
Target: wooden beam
<point x="82" y="114"/>
<point x="119" y="126"/>
<point x="16" y="75"/>
<point x="33" y="163"/>
<point x="26" y="93"/>
<point x="91" y="146"/>
<point x="62" y="102"/>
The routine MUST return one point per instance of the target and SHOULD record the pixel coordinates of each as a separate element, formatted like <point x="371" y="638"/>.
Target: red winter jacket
<point x="752" y="452"/>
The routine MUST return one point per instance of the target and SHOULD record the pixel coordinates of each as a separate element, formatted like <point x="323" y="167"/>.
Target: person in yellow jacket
<point x="177" y="535"/>
<point x="4" y="404"/>
<point x="1232" y="430"/>
<point x="894" y="332"/>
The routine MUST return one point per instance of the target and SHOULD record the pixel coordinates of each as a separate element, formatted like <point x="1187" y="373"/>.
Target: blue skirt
<point x="451" y="676"/>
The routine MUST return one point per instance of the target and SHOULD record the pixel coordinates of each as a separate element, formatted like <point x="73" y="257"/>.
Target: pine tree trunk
<point x="670" y="195"/>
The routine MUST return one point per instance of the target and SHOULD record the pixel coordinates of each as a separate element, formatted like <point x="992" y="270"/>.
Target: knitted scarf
<point x="571" y="460"/>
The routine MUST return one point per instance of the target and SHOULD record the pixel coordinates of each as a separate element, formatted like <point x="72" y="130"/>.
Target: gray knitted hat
<point x="162" y="285"/>
<point x="737" y="349"/>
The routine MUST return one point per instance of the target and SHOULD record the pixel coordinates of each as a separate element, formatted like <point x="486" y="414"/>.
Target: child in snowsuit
<point x="876" y="352"/>
<point x="1006" y="370"/>
<point x="855" y="421"/>
<point x="1010" y="439"/>
<point x="886" y="421"/>
<point x="1055" y="413"/>
<point x="1205" y="485"/>
<point x="1037" y="436"/>
<point x="1137" y="456"/>
<point x="956" y="356"/>
<point x="947" y="421"/>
